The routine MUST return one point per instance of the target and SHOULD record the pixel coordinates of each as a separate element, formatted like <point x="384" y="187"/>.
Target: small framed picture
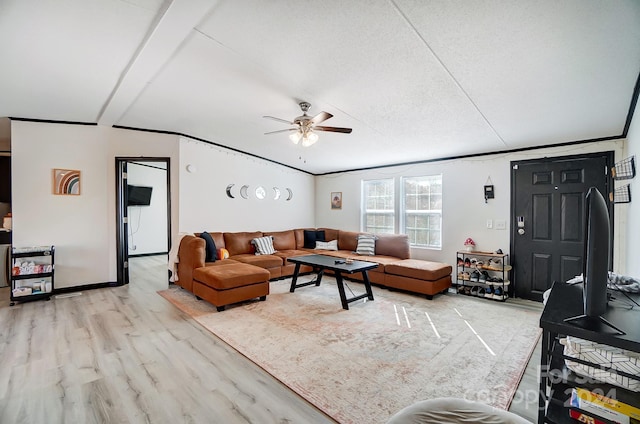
<point x="66" y="181"/>
<point x="336" y="200"/>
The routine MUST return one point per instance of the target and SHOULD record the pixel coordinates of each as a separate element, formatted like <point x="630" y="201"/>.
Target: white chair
<point x="454" y="411"/>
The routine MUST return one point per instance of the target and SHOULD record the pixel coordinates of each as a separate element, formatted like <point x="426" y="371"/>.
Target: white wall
<point x="83" y="228"/>
<point x="633" y="208"/>
<point x="205" y="205"/>
<point x="76" y="225"/>
<point x="465" y="212"/>
<point x="148" y="224"/>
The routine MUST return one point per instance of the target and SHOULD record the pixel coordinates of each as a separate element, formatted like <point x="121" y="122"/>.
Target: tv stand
<point x="593" y="323"/>
<point x="556" y="380"/>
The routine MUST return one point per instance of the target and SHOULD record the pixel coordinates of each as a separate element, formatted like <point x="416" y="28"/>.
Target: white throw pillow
<point x="327" y="245"/>
<point x="264" y="245"/>
<point x="366" y="245"/>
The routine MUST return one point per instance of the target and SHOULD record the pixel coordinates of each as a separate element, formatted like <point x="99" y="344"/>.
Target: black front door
<point x="547" y="211"/>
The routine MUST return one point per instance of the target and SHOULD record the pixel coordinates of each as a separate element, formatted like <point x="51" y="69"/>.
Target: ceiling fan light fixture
<point x="305" y="126"/>
<point x="309" y="138"/>
<point x="295" y="137"/>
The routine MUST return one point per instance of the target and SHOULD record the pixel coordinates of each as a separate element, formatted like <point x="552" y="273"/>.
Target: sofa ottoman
<point x="418" y="276"/>
<point x="232" y="283"/>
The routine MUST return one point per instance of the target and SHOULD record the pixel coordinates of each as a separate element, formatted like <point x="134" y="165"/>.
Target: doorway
<point x="547" y="212"/>
<point x="135" y="195"/>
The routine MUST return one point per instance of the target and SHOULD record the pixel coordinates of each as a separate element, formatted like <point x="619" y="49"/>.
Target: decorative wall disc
<point x="229" y="187"/>
<point x="260" y="192"/>
<point x="243" y="191"/>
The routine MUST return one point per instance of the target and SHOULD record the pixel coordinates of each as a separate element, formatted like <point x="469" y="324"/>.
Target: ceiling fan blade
<point x="278" y="119"/>
<point x="322" y="116"/>
<point x="333" y="129"/>
<point x="280" y="131"/>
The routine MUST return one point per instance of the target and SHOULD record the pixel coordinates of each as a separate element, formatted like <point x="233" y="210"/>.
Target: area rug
<point x="366" y="363"/>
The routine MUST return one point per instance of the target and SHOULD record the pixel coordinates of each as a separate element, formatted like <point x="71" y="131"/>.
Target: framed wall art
<point x="336" y="200"/>
<point x="66" y="182"/>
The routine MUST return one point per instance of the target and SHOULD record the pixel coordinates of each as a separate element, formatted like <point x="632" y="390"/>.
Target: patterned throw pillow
<point x="223" y="253"/>
<point x="264" y="245"/>
<point x="327" y="245"/>
<point x="366" y="245"/>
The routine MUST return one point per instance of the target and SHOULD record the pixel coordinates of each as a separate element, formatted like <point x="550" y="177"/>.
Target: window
<point x="422" y="210"/>
<point x="378" y="206"/>
<point x="419" y="203"/>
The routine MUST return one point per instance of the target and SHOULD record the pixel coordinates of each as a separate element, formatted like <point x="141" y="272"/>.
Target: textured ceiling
<point x="415" y="79"/>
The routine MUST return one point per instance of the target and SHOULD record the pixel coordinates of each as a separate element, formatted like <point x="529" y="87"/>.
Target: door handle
<point x="520" y="225"/>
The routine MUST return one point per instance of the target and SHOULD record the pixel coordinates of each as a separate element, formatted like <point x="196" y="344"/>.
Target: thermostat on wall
<point x="488" y="192"/>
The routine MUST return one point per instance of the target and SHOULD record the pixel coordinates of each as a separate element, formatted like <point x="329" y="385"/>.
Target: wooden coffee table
<point x="320" y="263"/>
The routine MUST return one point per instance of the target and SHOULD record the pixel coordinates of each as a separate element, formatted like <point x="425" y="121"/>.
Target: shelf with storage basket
<point x="588" y="371"/>
<point x="483" y="274"/>
<point x="32" y="273"/>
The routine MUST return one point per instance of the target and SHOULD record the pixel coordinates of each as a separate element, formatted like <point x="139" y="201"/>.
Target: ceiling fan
<point x="305" y="126"/>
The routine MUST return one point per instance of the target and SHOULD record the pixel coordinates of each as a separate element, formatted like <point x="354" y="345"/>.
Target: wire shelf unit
<point x="625" y="169"/>
<point x="621" y="194"/>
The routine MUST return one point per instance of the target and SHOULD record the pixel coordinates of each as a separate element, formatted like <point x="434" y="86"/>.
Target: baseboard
<point x="148" y="254"/>
<point x="85" y="287"/>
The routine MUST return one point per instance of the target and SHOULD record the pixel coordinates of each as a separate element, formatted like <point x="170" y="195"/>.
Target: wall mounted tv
<point x="138" y="195"/>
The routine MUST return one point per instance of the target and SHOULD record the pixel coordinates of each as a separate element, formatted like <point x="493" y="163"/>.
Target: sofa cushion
<point x="329" y="234"/>
<point x="240" y="243"/>
<point x="211" y="253"/>
<point x="218" y="238"/>
<point x="327" y="245"/>
<point x="311" y="236"/>
<point x="366" y="245"/>
<point x="221" y="262"/>
<point x="348" y="240"/>
<point x="263" y="245"/>
<point x="418" y="269"/>
<point x="393" y="245"/>
<point x="263" y="261"/>
<point x="283" y="240"/>
<point x="299" y="235"/>
<point x="284" y="254"/>
<point x="382" y="261"/>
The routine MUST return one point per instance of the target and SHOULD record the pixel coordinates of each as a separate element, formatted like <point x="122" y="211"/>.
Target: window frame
<point x="399" y="212"/>
<point x="364" y="212"/>
<point x="404" y="212"/>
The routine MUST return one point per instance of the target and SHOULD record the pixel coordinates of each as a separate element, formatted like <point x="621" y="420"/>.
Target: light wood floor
<point x="126" y="355"/>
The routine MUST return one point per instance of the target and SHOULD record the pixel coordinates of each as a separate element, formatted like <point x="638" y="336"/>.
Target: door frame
<point x="609" y="156"/>
<point x="122" y="239"/>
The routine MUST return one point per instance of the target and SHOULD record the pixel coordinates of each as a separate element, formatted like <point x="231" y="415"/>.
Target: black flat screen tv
<point x="595" y="269"/>
<point x="138" y="195"/>
<point x="596" y="254"/>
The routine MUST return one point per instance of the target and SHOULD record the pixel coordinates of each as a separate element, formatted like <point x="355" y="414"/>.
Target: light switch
<point x="489" y="223"/>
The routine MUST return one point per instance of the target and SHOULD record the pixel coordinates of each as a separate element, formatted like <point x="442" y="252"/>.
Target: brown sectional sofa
<point x="245" y="275"/>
